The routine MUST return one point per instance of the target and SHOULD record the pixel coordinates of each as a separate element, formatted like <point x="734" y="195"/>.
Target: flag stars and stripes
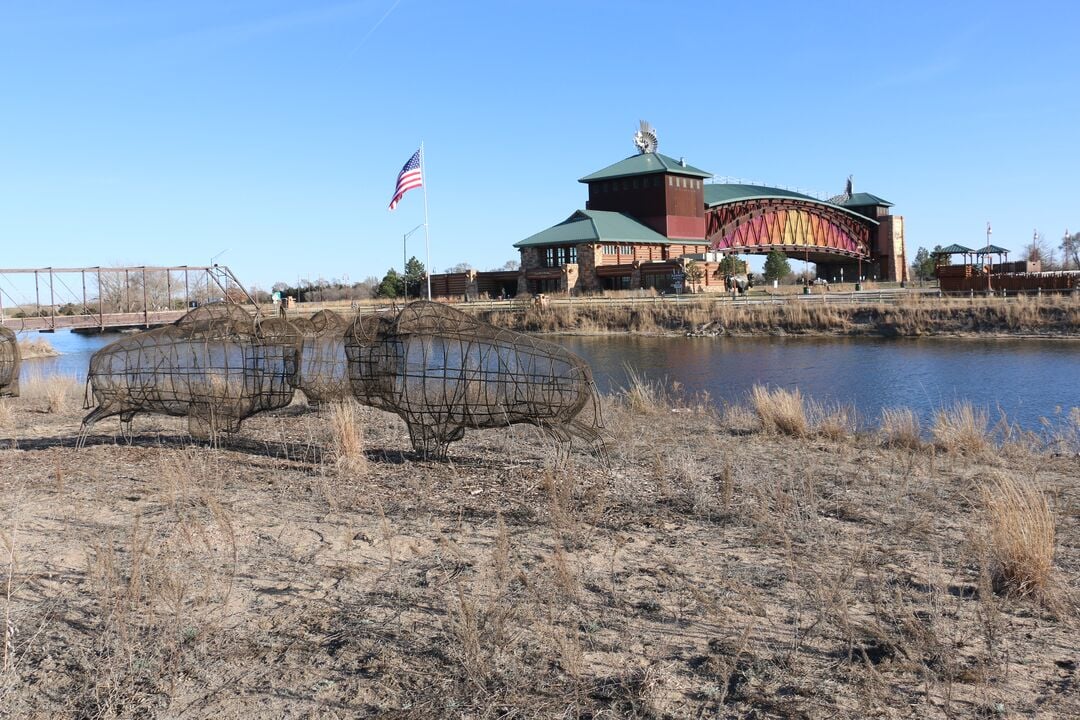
<point x="408" y="178"/>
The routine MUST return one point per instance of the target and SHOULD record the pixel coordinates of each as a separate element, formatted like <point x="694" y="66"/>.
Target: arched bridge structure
<point x="752" y="219"/>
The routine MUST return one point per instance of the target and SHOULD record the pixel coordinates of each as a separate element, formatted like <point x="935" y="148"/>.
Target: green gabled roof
<point x="646" y="164"/>
<point x="954" y="249"/>
<point x="595" y="226"/>
<point x="992" y="250"/>
<point x="865" y="199"/>
<point x="720" y="193"/>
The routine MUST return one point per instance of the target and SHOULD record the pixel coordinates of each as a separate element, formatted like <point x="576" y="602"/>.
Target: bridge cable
<point x="14" y="301"/>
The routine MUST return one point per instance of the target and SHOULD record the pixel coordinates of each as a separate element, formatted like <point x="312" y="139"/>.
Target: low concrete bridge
<point x="97" y="298"/>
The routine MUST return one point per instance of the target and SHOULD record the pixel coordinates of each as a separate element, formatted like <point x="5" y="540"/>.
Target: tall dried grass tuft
<point x="961" y="428"/>
<point x="1021" y="535"/>
<point x="6" y="415"/>
<point x="642" y="395"/>
<point x="900" y="428"/>
<point x="36" y="347"/>
<point x="837" y="422"/>
<point x="348" y="441"/>
<point x="780" y="411"/>
<point x="54" y="389"/>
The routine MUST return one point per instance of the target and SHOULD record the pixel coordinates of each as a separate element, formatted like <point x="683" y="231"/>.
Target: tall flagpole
<point x="427" y="238"/>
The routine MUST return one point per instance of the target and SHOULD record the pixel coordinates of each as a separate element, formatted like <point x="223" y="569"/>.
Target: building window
<point x="559" y="256"/>
<point x="670" y="181"/>
<point x="626" y="250"/>
<point x="610" y="249"/>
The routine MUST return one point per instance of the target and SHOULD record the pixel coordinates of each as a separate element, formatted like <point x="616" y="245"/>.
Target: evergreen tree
<point x="776" y="266"/>
<point x="414" y="277"/>
<point x="391" y="285"/>
<point x="731" y="265"/>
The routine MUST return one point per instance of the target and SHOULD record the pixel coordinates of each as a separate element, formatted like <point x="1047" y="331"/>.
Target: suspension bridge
<point x="98" y="298"/>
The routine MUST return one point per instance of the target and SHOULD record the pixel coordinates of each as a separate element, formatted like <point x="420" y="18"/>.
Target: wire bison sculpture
<point x="442" y="371"/>
<point x="9" y="363"/>
<point x="324" y="372"/>
<point x="217" y="365"/>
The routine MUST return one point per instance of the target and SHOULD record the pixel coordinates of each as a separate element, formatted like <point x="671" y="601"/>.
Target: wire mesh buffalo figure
<point x="9" y="363"/>
<point x="442" y="370"/>
<point x="216" y="365"/>
<point x="324" y="372"/>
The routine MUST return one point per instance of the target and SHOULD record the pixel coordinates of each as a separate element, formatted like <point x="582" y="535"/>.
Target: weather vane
<point x="645" y="139"/>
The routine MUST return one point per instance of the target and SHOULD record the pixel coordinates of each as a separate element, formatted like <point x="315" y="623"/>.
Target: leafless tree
<point x="1040" y="250"/>
<point x="1070" y="251"/>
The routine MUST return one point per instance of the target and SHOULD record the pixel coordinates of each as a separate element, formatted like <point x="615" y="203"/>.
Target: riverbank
<point x="1046" y="317"/>
<point x="37" y="347"/>
<point x="693" y="569"/>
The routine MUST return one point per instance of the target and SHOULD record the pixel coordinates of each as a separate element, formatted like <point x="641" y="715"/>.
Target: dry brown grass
<point x="36" y="347"/>
<point x="961" y="429"/>
<point x="835" y="422"/>
<point x="912" y="317"/>
<point x="780" y="411"/>
<point x="6" y="414"/>
<point x="642" y="395"/>
<point x="694" y="572"/>
<point x="900" y="428"/>
<point x="1021" y="527"/>
<point x="56" y="390"/>
<point x="347" y="437"/>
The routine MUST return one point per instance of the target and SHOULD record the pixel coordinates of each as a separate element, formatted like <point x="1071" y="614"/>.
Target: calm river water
<point x="1026" y="379"/>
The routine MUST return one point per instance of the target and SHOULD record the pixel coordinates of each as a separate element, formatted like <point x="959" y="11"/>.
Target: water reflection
<point x="1025" y="379"/>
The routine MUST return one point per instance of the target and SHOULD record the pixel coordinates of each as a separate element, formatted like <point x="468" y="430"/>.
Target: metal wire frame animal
<point x="10" y="359"/>
<point x="442" y="371"/>
<point x="324" y="372"/>
<point x="217" y="365"/>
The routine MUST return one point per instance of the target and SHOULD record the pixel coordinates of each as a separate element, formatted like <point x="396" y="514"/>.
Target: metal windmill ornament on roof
<point x="645" y="139"/>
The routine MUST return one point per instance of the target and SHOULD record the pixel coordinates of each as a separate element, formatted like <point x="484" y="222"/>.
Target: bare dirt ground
<point x="698" y="569"/>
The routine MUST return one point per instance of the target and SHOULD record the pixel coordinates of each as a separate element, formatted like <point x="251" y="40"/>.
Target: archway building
<point x="648" y="216"/>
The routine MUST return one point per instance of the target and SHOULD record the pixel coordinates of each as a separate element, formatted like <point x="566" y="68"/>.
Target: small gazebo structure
<point x="989" y="250"/>
<point x="948" y="252"/>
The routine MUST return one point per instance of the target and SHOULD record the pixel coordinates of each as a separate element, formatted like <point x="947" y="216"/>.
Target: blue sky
<point x="166" y="133"/>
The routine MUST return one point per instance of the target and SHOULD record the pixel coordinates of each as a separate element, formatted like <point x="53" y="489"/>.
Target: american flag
<point x="407" y="179"/>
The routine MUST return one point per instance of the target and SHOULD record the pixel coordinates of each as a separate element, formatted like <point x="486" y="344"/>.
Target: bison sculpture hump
<point x="442" y="371"/>
<point x="9" y="363"/>
<point x="216" y="365"/>
<point x="324" y="374"/>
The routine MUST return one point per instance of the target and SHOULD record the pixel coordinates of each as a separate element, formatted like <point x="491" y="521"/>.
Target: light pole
<point x="1067" y="246"/>
<point x="404" y="262"/>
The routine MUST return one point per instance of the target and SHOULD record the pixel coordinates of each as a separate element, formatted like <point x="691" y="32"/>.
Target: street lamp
<point x="404" y="262"/>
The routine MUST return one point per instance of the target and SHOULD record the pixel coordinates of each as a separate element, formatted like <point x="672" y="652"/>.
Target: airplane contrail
<point x="374" y="28"/>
